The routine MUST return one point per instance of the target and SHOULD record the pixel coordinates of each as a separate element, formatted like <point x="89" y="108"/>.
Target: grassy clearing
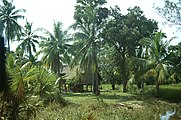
<point x="110" y="105"/>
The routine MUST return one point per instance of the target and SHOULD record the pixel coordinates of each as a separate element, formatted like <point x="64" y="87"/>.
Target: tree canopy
<point x="124" y="33"/>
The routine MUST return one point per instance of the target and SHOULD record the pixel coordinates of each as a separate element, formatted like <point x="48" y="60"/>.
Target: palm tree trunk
<point x="8" y="46"/>
<point x="58" y="74"/>
<point x="95" y="84"/>
<point x="95" y="75"/>
<point x="3" y="75"/>
<point x="58" y="65"/>
<point x="29" y="50"/>
<point x="8" y="38"/>
<point x="157" y="89"/>
<point x="124" y="86"/>
<point x="113" y="84"/>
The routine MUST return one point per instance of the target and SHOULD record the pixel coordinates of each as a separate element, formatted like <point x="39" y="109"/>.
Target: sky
<point x="43" y="13"/>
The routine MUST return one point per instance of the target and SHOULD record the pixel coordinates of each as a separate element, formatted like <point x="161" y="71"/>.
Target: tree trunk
<point x="95" y="74"/>
<point x="113" y="84"/>
<point x="8" y="37"/>
<point x="95" y="83"/>
<point x="65" y="87"/>
<point x="3" y="75"/>
<point x="125" y="86"/>
<point x="157" y="89"/>
<point x="124" y="70"/>
<point x="30" y="54"/>
<point x="8" y="46"/>
<point x="58" y="65"/>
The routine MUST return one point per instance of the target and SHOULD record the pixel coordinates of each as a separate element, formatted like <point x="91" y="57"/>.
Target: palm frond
<point x="145" y="41"/>
<point x="139" y="62"/>
<point x="26" y="66"/>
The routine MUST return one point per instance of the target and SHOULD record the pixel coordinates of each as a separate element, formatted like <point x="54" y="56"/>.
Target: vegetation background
<point x="126" y="62"/>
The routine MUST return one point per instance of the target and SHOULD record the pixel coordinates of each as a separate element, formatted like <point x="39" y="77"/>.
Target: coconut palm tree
<point x="89" y="16"/>
<point x="55" y="48"/>
<point x="28" y="41"/>
<point x="156" y="64"/>
<point x="9" y="16"/>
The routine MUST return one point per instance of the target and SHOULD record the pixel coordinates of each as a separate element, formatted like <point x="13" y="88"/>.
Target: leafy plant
<point x="157" y="63"/>
<point x="19" y="75"/>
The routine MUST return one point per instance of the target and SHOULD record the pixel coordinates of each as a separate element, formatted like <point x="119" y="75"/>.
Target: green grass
<point x="171" y="92"/>
<point x="110" y="105"/>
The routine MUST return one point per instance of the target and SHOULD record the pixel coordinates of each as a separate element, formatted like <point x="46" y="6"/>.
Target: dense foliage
<point x="105" y="47"/>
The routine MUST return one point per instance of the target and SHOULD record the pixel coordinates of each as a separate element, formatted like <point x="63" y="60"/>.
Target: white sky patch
<point x="43" y="12"/>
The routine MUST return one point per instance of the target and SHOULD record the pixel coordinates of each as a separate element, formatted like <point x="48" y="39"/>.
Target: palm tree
<point x="29" y="41"/>
<point x="89" y="16"/>
<point x="9" y="16"/>
<point x="156" y="64"/>
<point x="55" y="48"/>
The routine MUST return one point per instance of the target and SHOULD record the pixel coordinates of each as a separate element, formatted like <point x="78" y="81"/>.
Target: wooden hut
<point x="76" y="80"/>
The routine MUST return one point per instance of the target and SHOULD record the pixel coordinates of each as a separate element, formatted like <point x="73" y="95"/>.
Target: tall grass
<point x="112" y="105"/>
<point x="171" y="92"/>
<point x="100" y="110"/>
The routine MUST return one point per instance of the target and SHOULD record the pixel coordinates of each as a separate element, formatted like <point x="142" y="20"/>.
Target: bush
<point x="55" y="97"/>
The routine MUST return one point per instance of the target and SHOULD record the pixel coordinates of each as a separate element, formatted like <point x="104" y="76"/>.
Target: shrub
<point x="55" y="97"/>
